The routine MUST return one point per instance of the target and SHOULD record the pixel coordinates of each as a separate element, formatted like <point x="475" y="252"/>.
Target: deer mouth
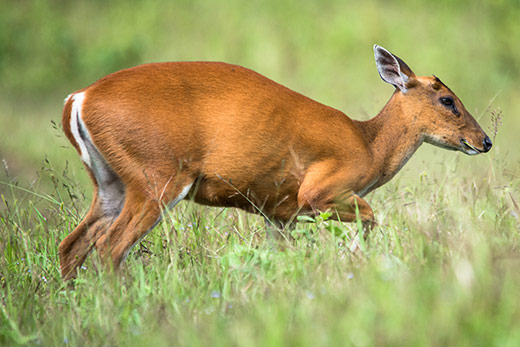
<point x="468" y="148"/>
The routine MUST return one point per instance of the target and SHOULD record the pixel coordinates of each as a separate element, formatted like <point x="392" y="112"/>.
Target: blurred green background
<point x="322" y="49"/>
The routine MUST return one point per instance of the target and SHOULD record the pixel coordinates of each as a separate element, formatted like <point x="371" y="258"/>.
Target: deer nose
<point x="487" y="144"/>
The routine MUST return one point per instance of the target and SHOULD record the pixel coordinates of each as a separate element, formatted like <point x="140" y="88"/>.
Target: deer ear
<point x="392" y="69"/>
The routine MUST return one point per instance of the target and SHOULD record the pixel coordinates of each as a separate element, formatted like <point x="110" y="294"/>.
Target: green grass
<point x="440" y="269"/>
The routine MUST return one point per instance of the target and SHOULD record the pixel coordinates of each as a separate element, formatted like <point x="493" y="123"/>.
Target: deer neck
<point x="391" y="139"/>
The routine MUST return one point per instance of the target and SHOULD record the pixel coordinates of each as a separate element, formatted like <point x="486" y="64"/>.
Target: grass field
<point x="441" y="268"/>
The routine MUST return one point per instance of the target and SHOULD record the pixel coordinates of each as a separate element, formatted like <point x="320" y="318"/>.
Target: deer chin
<point x="438" y="142"/>
<point x="463" y="146"/>
<point x="468" y="148"/>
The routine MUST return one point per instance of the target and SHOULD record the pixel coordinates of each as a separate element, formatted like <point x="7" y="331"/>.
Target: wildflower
<point x="215" y="294"/>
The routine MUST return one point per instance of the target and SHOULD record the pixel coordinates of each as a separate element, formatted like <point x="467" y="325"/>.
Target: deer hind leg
<point x="73" y="250"/>
<point x="108" y="197"/>
<point x="140" y="213"/>
<point x="106" y="206"/>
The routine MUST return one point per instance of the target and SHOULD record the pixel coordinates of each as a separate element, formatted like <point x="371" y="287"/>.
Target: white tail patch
<point x="111" y="190"/>
<point x="76" y="122"/>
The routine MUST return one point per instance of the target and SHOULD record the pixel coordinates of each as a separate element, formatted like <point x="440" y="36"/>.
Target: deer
<point x="223" y="135"/>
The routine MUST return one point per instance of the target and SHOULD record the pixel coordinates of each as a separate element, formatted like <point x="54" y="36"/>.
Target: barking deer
<point x="223" y="135"/>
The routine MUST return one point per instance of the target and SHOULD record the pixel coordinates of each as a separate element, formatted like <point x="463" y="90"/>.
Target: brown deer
<point x="223" y="135"/>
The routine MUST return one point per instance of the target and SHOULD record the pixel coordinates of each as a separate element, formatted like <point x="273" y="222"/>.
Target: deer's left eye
<point x="447" y="101"/>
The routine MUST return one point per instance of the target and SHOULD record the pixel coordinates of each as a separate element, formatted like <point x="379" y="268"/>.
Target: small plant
<point x="496" y="120"/>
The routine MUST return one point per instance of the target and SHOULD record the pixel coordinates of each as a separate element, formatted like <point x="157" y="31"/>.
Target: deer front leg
<point x="322" y="192"/>
<point x="345" y="207"/>
<point x="365" y="213"/>
<point x="344" y="210"/>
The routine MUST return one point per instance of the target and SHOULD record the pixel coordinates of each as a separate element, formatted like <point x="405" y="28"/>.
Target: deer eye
<point x="447" y="101"/>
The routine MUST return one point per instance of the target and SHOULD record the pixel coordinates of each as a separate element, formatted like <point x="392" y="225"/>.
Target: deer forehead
<point x="434" y="84"/>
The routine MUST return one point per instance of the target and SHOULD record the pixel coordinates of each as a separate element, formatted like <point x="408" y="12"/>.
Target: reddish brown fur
<point x="65" y="120"/>
<point x="246" y="142"/>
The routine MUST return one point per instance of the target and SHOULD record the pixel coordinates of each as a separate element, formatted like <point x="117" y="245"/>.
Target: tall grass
<point x="441" y="268"/>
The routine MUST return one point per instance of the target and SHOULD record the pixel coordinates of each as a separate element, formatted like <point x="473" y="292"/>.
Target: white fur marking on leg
<point x="181" y="196"/>
<point x="75" y="120"/>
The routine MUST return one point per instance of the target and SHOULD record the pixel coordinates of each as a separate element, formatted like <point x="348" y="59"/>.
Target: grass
<point x="440" y="269"/>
